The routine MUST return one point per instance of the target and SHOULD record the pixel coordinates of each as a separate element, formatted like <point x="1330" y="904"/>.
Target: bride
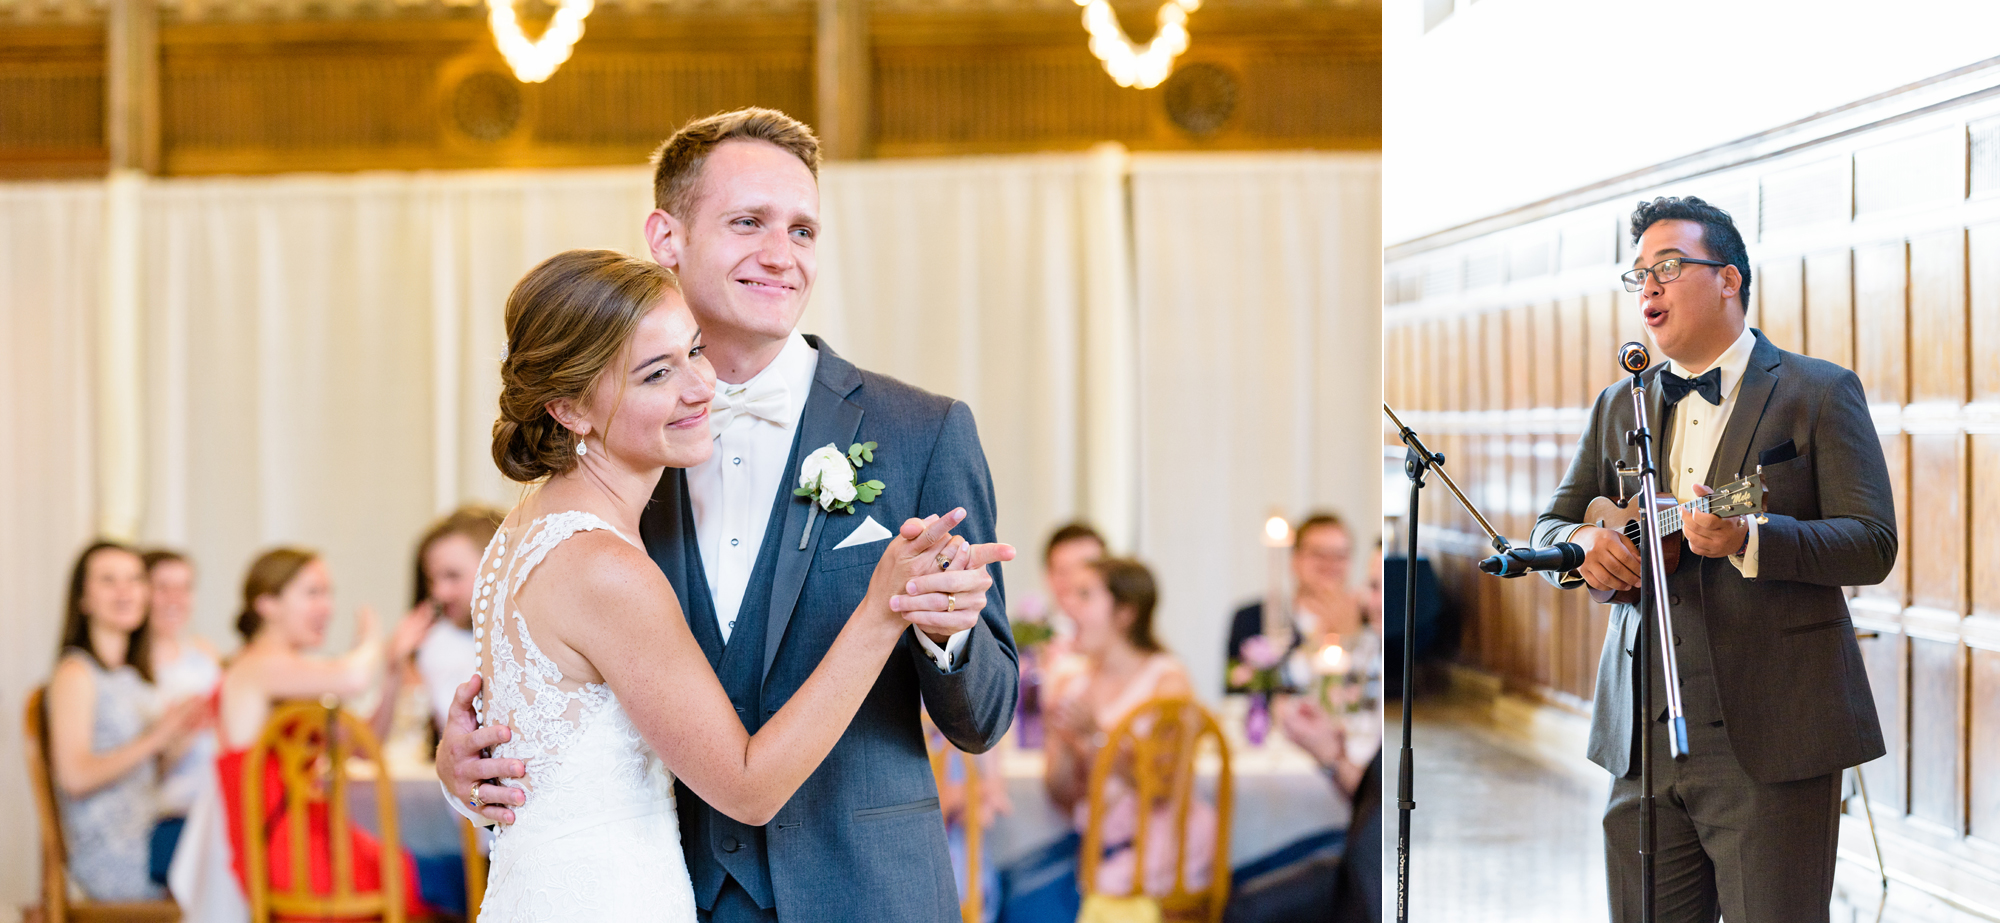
<point x="591" y="662"/>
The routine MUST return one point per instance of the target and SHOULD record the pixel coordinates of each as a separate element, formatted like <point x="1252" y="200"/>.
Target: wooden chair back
<point x="475" y="867"/>
<point x="1157" y="749"/>
<point x="311" y="744"/>
<point x="971" y="909"/>
<point x="56" y="905"/>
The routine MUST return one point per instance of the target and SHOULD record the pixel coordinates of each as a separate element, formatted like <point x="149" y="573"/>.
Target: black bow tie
<point x="1708" y="384"/>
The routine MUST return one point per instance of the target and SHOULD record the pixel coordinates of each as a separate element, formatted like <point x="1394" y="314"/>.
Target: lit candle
<point x="1277" y="620"/>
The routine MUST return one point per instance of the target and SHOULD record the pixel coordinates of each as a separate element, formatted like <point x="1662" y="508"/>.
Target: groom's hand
<point x="461" y="764"/>
<point x="944" y="603"/>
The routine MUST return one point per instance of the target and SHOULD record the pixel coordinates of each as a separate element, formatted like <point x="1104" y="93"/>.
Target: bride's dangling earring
<point x="581" y="449"/>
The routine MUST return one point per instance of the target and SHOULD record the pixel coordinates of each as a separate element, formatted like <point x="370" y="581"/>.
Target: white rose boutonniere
<point x="827" y="481"/>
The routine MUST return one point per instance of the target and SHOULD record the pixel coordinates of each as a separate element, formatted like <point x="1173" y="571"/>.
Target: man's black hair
<point x="1718" y="232"/>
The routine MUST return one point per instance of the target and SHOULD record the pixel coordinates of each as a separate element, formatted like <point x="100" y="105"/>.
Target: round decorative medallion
<point x="486" y="106"/>
<point x="1200" y="97"/>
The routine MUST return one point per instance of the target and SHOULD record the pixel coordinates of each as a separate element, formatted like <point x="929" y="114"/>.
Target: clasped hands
<point x="1611" y="563"/>
<point x="944" y="596"/>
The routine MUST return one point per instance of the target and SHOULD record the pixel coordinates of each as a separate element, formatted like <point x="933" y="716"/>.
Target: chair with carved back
<point x="971" y="907"/>
<point x="311" y="744"/>
<point x="57" y="906"/>
<point x="1158" y="750"/>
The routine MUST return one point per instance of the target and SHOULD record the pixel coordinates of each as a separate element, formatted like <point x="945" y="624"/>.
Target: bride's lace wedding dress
<point x="598" y="839"/>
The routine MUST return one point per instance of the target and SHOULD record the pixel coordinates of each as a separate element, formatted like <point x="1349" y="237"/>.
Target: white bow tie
<point x="765" y="397"/>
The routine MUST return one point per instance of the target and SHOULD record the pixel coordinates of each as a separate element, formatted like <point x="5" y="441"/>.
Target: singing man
<point x="1771" y="678"/>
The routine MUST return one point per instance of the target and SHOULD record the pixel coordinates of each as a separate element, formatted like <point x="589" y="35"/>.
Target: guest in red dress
<point x="287" y="603"/>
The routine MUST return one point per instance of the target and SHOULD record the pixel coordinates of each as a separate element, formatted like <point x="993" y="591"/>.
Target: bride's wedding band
<point x="950" y="602"/>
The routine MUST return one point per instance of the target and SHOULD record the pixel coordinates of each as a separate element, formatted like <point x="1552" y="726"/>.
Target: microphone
<point x="1560" y="557"/>
<point x="1634" y="358"/>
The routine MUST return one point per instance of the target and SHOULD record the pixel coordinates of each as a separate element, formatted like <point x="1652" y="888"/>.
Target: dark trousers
<point x="1729" y="846"/>
<point x="734" y="905"/>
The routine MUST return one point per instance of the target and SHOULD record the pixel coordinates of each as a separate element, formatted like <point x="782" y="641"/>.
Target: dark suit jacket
<point x="1788" y="673"/>
<point x="863" y="839"/>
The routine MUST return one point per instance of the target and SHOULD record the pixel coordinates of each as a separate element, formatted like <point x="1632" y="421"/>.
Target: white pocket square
<point x="868" y="531"/>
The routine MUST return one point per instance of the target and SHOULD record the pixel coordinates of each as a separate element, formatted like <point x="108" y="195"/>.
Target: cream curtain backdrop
<point x="51" y="254"/>
<point x="1172" y="346"/>
<point x="1259" y="368"/>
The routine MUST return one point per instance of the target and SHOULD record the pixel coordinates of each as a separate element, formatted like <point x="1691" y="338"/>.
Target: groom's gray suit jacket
<point x="1773" y="658"/>
<point x="862" y="839"/>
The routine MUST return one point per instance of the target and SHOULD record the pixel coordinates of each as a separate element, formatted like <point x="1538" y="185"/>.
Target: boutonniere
<point x="826" y="480"/>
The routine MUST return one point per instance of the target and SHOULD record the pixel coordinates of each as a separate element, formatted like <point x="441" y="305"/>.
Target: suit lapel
<point x="1752" y="395"/>
<point x="829" y="419"/>
<point x="666" y="527"/>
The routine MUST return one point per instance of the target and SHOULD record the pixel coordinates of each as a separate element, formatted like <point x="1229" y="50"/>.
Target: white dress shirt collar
<point x="1733" y="362"/>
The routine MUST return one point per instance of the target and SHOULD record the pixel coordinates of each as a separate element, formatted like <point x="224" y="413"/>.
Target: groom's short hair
<point x="677" y="162"/>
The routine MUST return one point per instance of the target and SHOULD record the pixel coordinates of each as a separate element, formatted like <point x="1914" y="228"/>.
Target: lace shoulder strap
<point x="544" y="534"/>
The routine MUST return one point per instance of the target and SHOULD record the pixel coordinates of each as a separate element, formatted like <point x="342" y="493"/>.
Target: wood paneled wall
<point x="1876" y="247"/>
<point x="419" y="89"/>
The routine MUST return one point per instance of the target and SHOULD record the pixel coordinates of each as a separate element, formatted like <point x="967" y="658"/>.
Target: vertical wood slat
<point x="1520" y="351"/>
<point x="1938" y="331"/>
<point x="1780" y="296"/>
<point x="1983" y="306"/>
<point x="1983" y="747"/>
<point x="1936" y="732"/>
<point x="1829" y="307"/>
<point x="1983" y="583"/>
<point x="1573" y="335"/>
<point x="1895" y="587"/>
<point x="1881" y="313"/>
<point x="1937" y="522"/>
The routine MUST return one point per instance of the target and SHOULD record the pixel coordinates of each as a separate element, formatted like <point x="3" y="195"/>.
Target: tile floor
<point x="1506" y="826"/>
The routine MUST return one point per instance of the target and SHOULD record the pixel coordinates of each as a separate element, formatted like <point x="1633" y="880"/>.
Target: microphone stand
<point x="1652" y="611"/>
<point x="1416" y="460"/>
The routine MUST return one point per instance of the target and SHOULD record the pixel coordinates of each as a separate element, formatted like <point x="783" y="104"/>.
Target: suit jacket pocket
<point x="1828" y="625"/>
<point x="897" y="810"/>
<point x="1790" y="489"/>
<point x="853" y="556"/>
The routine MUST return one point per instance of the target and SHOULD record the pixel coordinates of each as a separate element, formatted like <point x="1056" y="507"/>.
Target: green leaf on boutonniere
<point x="802" y="491"/>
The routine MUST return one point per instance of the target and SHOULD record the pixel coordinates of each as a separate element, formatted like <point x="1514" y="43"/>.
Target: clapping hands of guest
<point x="1322" y="736"/>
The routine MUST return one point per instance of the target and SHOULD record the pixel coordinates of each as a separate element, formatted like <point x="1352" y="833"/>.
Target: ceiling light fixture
<point x="534" y="61"/>
<point x="1139" y="67"/>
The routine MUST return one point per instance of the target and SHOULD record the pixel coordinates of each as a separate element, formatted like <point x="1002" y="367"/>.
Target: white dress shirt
<point x="732" y="491"/>
<point x="447" y="655"/>
<point x="1696" y="432"/>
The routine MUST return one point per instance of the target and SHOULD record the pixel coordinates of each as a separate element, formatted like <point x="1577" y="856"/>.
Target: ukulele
<point x="1622" y="515"/>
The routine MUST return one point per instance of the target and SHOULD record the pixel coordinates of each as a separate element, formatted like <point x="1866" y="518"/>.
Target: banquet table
<point x="1280" y="796"/>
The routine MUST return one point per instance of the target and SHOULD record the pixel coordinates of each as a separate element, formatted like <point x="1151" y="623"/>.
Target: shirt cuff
<point x="947" y="655"/>
<point x="1746" y="563"/>
<point x="478" y="820"/>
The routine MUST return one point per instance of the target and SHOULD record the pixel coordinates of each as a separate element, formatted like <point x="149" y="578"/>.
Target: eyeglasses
<point x="1665" y="270"/>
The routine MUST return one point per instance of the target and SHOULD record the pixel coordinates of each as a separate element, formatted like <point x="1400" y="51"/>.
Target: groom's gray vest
<point x="716" y="844"/>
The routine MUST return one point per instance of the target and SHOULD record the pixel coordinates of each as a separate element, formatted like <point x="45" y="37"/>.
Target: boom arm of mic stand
<point x="1435" y="462"/>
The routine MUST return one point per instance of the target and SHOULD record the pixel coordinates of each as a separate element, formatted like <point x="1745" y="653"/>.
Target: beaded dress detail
<point x="599" y="838"/>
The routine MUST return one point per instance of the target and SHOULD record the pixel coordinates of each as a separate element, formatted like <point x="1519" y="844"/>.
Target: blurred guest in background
<point x="1118" y="666"/>
<point x="1321" y="603"/>
<point x="185" y="665"/>
<point x="1343" y="888"/>
<point x="1070" y="552"/>
<point x="287" y="603"/>
<point x="107" y="732"/>
<point x="447" y="563"/>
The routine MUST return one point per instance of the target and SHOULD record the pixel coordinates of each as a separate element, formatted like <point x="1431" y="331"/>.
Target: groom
<point x="766" y="584"/>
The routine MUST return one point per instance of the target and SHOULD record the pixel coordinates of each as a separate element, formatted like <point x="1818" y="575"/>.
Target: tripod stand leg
<point x="1868" y="811"/>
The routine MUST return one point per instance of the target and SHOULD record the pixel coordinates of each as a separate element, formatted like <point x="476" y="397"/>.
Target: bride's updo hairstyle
<point x="567" y="319"/>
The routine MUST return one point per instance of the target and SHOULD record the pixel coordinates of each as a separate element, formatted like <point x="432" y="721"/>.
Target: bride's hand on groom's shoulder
<point x="462" y="762"/>
<point x="942" y="600"/>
